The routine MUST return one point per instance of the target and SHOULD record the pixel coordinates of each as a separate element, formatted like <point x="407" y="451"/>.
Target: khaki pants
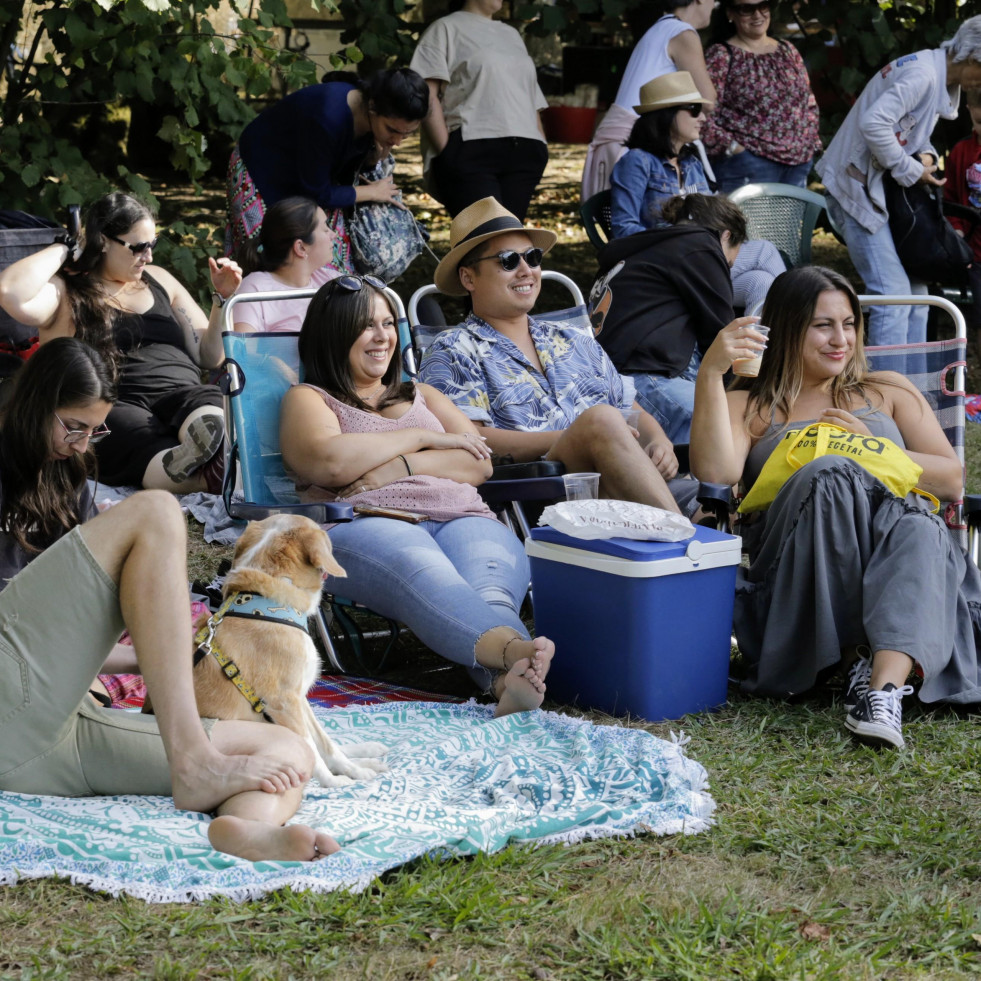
<point x="59" y="618"/>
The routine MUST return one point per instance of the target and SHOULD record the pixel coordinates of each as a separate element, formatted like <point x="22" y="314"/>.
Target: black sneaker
<point x="878" y="716"/>
<point x="859" y="675"/>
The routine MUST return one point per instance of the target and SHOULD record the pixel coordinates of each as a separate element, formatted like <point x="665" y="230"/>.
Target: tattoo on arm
<point x="185" y="318"/>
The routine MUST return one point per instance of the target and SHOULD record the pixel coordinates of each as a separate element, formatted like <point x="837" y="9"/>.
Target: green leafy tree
<point x="91" y="63"/>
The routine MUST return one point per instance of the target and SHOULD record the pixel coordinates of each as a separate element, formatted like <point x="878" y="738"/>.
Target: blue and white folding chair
<point x="259" y="369"/>
<point x="937" y="369"/>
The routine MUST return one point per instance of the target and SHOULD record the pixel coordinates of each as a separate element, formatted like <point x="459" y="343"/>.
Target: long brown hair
<point x="788" y="312"/>
<point x="113" y="215"/>
<point x="42" y="497"/>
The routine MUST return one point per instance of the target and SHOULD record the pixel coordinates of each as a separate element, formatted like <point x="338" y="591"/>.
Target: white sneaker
<point x="878" y="716"/>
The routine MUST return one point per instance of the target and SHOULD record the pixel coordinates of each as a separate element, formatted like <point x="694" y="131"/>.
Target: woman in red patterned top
<point x="765" y="124"/>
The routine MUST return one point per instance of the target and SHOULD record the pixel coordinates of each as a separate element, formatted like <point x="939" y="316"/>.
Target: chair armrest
<point x="523" y="471"/>
<point x="322" y="513"/>
<point x="498" y="492"/>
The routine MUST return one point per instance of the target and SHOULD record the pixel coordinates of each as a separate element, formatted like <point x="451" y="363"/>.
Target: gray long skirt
<point x="839" y="560"/>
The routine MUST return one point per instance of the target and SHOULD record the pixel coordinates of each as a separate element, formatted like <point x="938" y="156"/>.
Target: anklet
<point x="504" y="652"/>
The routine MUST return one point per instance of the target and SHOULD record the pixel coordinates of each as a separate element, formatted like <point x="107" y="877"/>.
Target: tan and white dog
<point x="279" y="564"/>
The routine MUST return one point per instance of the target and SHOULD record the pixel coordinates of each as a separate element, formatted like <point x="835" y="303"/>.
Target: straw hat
<point x="673" y="89"/>
<point x="478" y="222"/>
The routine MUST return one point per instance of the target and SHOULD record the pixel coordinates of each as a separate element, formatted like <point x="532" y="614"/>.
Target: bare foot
<point x="203" y="784"/>
<point x="523" y="689"/>
<point x="539" y="651"/>
<point x="257" y="841"/>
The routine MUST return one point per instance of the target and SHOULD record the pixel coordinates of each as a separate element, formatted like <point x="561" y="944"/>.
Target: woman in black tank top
<point x="167" y="427"/>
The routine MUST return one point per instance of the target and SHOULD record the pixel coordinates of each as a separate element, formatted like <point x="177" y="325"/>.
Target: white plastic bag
<point x="590" y="520"/>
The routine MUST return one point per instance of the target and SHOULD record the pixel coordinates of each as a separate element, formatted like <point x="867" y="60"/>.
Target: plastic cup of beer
<point x="581" y="486"/>
<point x="750" y="367"/>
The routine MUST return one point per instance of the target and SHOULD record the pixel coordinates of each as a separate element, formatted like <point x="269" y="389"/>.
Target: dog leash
<point x="252" y="606"/>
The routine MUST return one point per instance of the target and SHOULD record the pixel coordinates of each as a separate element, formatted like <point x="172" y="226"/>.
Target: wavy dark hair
<point x="111" y="216"/>
<point x="335" y="319"/>
<point x="712" y="211"/>
<point x="788" y="312"/>
<point x="652" y="132"/>
<point x="286" y="221"/>
<point x="42" y="497"/>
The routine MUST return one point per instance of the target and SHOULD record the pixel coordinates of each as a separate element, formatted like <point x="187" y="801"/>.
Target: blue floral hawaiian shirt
<point x="488" y="378"/>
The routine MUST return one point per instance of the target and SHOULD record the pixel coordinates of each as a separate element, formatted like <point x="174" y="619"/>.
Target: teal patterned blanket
<point x="461" y="782"/>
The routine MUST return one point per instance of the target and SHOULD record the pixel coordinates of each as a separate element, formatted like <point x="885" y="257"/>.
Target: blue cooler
<point x="639" y="627"/>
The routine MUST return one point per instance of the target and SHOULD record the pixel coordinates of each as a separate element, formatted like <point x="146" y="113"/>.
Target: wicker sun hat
<point x="478" y="222"/>
<point x="673" y="89"/>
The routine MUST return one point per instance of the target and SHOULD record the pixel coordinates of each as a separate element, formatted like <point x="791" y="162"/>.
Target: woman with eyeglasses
<point x="427" y="551"/>
<point x="671" y="44"/>
<point x="71" y="581"/>
<point x="167" y="427"/>
<point x="660" y="163"/>
<point x="765" y="123"/>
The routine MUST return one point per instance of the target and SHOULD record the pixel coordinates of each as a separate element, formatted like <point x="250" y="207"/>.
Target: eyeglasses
<point x="139" y="248"/>
<point x="92" y="435"/>
<point x="748" y="9"/>
<point x="509" y="259"/>
<point x="694" y="110"/>
<point x="354" y="283"/>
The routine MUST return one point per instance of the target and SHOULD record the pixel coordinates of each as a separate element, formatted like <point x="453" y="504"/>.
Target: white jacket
<point x="892" y="121"/>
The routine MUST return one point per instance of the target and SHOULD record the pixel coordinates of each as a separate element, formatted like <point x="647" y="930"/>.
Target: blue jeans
<point x="748" y="168"/>
<point x="875" y="259"/>
<point x="447" y="581"/>
<point x="670" y="400"/>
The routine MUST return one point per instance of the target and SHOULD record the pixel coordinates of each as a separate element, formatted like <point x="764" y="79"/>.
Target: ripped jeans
<point x="447" y="581"/>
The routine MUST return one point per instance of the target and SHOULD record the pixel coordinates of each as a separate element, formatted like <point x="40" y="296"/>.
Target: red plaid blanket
<point x="331" y="691"/>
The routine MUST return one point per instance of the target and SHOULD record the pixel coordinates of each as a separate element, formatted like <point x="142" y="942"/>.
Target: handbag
<point x="927" y="244"/>
<point x="881" y="457"/>
<point x="384" y="237"/>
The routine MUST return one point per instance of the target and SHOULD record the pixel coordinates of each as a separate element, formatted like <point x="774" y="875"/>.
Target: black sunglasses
<point x="748" y="9"/>
<point x="139" y="248"/>
<point x="509" y="259"/>
<point x="694" y="110"/>
<point x="354" y="283"/>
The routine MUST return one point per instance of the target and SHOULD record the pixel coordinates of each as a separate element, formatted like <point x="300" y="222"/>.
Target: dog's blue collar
<point x="262" y="608"/>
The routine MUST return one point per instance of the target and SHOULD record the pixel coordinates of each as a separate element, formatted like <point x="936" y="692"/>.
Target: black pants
<point x="507" y="168"/>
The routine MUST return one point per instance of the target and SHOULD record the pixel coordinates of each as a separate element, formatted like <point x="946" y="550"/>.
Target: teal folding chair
<point x="259" y="369"/>
<point x="783" y="214"/>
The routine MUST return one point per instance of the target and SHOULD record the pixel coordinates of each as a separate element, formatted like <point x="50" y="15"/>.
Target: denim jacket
<point x="641" y="183"/>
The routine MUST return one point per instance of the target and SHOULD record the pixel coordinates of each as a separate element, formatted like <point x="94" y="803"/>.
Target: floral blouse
<point x="764" y="103"/>
<point x="487" y="377"/>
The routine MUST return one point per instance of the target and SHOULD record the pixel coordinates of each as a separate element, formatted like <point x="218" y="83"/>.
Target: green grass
<point x="829" y="860"/>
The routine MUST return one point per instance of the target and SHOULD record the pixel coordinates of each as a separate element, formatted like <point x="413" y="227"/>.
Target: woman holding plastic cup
<point x="839" y="564"/>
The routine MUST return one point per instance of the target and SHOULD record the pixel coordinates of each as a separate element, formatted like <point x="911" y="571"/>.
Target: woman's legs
<point x="141" y="545"/>
<point x="451" y="583"/>
<point x="181" y="469"/>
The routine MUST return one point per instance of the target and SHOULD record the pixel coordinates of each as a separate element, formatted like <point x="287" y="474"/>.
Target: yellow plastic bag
<point x="880" y="456"/>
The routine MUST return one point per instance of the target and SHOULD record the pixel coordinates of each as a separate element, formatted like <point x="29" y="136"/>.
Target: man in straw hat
<point x="538" y="389"/>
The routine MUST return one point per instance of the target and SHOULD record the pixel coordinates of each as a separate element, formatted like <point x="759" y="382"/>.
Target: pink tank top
<point x="439" y="498"/>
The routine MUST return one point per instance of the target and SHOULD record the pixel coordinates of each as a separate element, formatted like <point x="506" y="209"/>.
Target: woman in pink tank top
<point x="354" y="430"/>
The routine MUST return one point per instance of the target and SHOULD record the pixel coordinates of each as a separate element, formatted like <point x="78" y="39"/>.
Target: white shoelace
<point x="887" y="706"/>
<point x="859" y="675"/>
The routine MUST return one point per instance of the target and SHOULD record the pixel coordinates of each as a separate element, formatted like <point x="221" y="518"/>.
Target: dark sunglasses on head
<point x="139" y="248"/>
<point x="354" y="283"/>
<point x="748" y="9"/>
<point x="694" y="110"/>
<point x="509" y="259"/>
